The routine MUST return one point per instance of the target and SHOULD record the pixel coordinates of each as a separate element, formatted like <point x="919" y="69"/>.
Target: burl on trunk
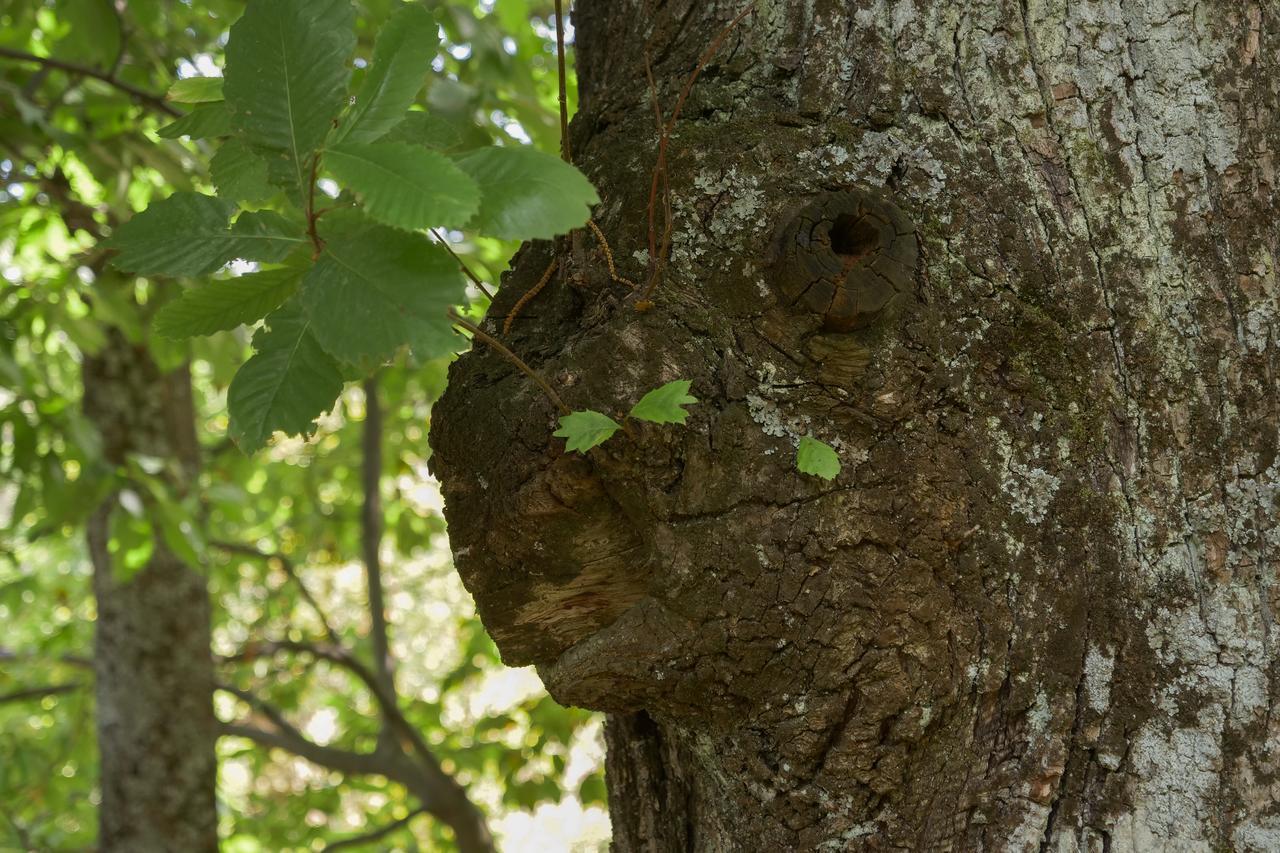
<point x="1016" y="262"/>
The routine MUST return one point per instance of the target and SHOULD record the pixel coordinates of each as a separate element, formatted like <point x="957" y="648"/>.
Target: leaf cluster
<point x="339" y="289"/>
<point x="78" y="155"/>
<point x="583" y="430"/>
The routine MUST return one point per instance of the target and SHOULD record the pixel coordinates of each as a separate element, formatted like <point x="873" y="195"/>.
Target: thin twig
<point x="653" y="187"/>
<point x="40" y="692"/>
<point x="262" y="706"/>
<point x="77" y="661"/>
<point x="565" y="151"/>
<point x="475" y="279"/>
<point x="286" y="566"/>
<point x="357" y="840"/>
<point x="332" y="653"/>
<point x="608" y="256"/>
<point x="371" y="531"/>
<point x="528" y="296"/>
<point x="154" y="101"/>
<point x="711" y="51"/>
<point x="660" y="166"/>
<point x="511" y="357"/>
<point x="316" y="242"/>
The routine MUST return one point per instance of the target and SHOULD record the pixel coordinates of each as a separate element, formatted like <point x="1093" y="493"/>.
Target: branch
<point x="286" y="566"/>
<point x="285" y="736"/>
<point x="154" y="101"/>
<point x="386" y="699"/>
<point x="565" y="153"/>
<point x="357" y="840"/>
<point x="341" y="760"/>
<point x="475" y="279"/>
<point x="661" y="166"/>
<point x="333" y="653"/>
<point x="371" y="531"/>
<point x="440" y="793"/>
<point x="511" y="357"/>
<point x="40" y="692"/>
<point x="71" y="660"/>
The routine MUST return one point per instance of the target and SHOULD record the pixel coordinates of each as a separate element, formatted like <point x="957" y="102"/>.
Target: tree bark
<point x="1035" y="610"/>
<point x="154" y="672"/>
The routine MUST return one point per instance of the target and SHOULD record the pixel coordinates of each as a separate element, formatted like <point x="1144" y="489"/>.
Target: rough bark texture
<point x="154" y="672"/>
<point x="1035" y="611"/>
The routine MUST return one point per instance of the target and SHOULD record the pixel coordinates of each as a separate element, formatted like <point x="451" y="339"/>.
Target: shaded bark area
<point x="643" y="768"/>
<point x="154" y="673"/>
<point x="1035" y="610"/>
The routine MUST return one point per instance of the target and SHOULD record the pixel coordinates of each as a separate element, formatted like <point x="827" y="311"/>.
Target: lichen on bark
<point x="1035" y="610"/>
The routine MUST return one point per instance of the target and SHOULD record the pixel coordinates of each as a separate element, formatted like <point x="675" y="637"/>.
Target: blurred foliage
<point x="81" y="101"/>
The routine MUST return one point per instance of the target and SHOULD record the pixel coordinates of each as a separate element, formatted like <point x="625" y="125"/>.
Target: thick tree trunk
<point x="1035" y="610"/>
<point x="154" y="671"/>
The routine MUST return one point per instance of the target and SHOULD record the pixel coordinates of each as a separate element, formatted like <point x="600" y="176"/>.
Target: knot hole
<point x="854" y="237"/>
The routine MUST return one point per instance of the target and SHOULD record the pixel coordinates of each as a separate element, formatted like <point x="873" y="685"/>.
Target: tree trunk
<point x="1016" y="261"/>
<point x="154" y="671"/>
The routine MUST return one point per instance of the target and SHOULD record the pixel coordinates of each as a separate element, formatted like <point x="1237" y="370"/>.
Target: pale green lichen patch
<point x="1099" y="665"/>
<point x="1029" y="488"/>
<point x="740" y="201"/>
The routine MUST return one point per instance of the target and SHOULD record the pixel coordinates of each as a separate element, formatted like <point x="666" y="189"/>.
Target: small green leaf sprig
<point x="817" y="458"/>
<point x="583" y="430"/>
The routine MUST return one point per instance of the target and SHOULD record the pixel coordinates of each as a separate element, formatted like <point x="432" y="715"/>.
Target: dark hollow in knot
<point x="847" y="256"/>
<point x="854" y="237"/>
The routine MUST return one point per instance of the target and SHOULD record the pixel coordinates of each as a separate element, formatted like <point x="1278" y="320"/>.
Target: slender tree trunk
<point x="154" y="672"/>
<point x="1016" y="261"/>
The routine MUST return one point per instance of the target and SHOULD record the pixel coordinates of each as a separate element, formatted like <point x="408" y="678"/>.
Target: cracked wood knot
<point x="847" y="256"/>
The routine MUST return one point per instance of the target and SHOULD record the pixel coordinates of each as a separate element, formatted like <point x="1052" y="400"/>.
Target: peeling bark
<point x="1035" y="611"/>
<point x="153" y="671"/>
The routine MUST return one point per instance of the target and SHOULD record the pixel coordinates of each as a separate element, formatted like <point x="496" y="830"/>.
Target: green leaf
<point x="226" y="304"/>
<point x="406" y="186"/>
<point x="196" y="90"/>
<point x="267" y="236"/>
<point x="286" y="385"/>
<point x="239" y="173"/>
<point x="526" y="194"/>
<point x="663" y="405"/>
<point x="286" y="73"/>
<point x="374" y="288"/>
<point x="814" y="457"/>
<point x="187" y="234"/>
<point x="92" y="35"/>
<point x="435" y="132"/>
<point x="402" y="58"/>
<point x="203" y="122"/>
<point x="584" y="430"/>
<point x="184" y="234"/>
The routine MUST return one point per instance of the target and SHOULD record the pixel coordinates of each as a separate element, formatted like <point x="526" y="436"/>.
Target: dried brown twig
<point x="657" y="259"/>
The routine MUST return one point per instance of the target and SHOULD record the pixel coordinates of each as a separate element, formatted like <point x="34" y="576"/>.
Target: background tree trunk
<point x="153" y="668"/>
<point x="1035" y="610"/>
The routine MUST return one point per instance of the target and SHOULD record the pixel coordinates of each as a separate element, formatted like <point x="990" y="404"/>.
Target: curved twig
<point x="511" y="357"/>
<point x="152" y="100"/>
<point x="383" y="832"/>
<point x="529" y="296"/>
